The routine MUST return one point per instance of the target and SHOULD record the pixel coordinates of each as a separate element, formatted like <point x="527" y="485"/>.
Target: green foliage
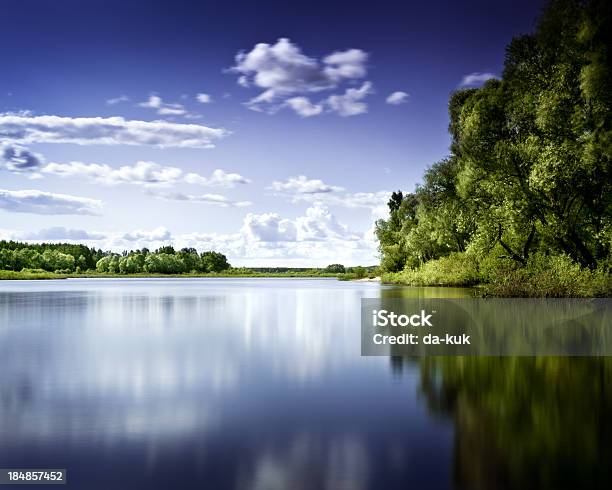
<point x="335" y="268"/>
<point x="530" y="169"/>
<point x="185" y="261"/>
<point x="29" y="274"/>
<point x="549" y="276"/>
<point x="214" y="262"/>
<point x="456" y="269"/>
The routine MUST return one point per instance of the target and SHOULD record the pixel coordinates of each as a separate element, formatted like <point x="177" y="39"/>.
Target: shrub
<point x="552" y="277"/>
<point x="456" y="269"/>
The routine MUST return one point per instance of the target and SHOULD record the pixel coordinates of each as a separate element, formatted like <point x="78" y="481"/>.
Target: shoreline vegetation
<point x="27" y="261"/>
<point x="522" y="205"/>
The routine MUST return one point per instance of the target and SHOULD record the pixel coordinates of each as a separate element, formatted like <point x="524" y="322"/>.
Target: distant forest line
<point x="67" y="259"/>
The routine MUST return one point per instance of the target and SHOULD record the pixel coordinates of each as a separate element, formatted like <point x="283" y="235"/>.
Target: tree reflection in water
<point x="524" y="422"/>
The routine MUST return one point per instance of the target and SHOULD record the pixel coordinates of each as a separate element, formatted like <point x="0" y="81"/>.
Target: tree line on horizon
<point x="69" y="258"/>
<point x="528" y="177"/>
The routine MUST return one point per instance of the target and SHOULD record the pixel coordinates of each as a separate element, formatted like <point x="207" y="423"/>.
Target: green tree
<point x="335" y="269"/>
<point x="214" y="261"/>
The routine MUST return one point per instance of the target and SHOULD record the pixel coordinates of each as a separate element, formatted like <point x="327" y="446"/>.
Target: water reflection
<point x="525" y="422"/>
<point x="259" y="384"/>
<point x="215" y="384"/>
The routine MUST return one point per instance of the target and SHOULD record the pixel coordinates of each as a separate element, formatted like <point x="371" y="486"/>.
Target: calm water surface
<point x="259" y="384"/>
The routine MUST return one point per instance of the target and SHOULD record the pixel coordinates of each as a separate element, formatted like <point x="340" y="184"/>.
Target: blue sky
<point x="272" y="132"/>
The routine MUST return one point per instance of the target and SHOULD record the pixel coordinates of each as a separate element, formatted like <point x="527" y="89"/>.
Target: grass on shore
<point x="29" y="275"/>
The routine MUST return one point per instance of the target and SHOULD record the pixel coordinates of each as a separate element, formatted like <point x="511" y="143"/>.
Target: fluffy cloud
<point x="303" y="107"/>
<point x="317" y="225"/>
<point x="304" y="185"/>
<point x="141" y="173"/>
<point x="476" y="78"/>
<point x="267" y="239"/>
<point x="268" y="227"/>
<point x="397" y="98"/>
<point x="219" y="178"/>
<point x="350" y="103"/>
<point x="204" y="98"/>
<point x="40" y="202"/>
<point x="346" y="64"/>
<point x="214" y="199"/>
<point x="283" y="72"/>
<point x="27" y="129"/>
<point x="18" y="159"/>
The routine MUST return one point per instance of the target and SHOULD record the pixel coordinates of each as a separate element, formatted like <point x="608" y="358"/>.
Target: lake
<point x="259" y="384"/>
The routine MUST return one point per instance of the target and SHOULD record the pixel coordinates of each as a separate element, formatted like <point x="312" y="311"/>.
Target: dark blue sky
<point x="69" y="58"/>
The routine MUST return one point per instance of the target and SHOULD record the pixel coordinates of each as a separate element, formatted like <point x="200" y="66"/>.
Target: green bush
<point x="456" y="269"/>
<point x="552" y="277"/>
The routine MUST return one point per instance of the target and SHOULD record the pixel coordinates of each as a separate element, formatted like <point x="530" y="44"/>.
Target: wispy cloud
<point x="40" y="202"/>
<point x="351" y="102"/>
<point x="214" y="199"/>
<point x="117" y="100"/>
<point x="60" y="233"/>
<point x="304" y="185"/>
<point x="106" y="131"/>
<point x="476" y="78"/>
<point x="204" y="98"/>
<point x="141" y="173"/>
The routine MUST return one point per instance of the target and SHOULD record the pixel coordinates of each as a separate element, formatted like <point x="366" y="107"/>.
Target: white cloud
<point x="214" y="199"/>
<point x="397" y="98"/>
<point x="304" y="185"/>
<point x="266" y="239"/>
<point x="318" y="224"/>
<point x="204" y="98"/>
<point x="268" y="227"/>
<point x="158" y="234"/>
<point x="163" y="108"/>
<point x="18" y="159"/>
<point x="350" y="103"/>
<point x="118" y="100"/>
<point x="346" y="64"/>
<point x="283" y="71"/>
<point x="40" y="202"/>
<point x="476" y="78"/>
<point x="141" y="173"/>
<point x="303" y="107"/>
<point x="219" y="178"/>
<point x="375" y="202"/>
<point x="59" y="233"/>
<point x="106" y="131"/>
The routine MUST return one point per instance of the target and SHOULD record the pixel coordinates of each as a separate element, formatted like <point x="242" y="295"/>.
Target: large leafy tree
<point x="529" y="168"/>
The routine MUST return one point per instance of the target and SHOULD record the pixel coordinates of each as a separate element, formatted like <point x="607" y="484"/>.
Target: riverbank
<point x="542" y="277"/>
<point x="31" y="275"/>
